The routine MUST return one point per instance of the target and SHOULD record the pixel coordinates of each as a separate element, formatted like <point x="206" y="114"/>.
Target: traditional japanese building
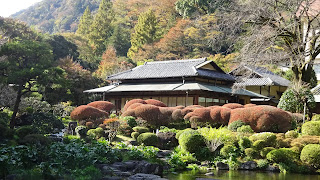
<point x="176" y="82"/>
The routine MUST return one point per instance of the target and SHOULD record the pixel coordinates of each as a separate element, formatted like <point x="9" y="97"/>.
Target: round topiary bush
<point x="131" y="121"/>
<point x="24" y="131"/>
<point x="96" y="133"/>
<point x="251" y="153"/>
<point x="149" y="113"/>
<point x="191" y="141"/>
<point x="181" y="131"/>
<point x="245" y="129"/>
<point x="148" y="139"/>
<point x="233" y="105"/>
<point x="311" y="128"/>
<point x="129" y="103"/>
<point x="269" y="138"/>
<point x="291" y="134"/>
<point x="283" y="155"/>
<point x="135" y="135"/>
<point x="235" y="125"/>
<point x="45" y="123"/>
<point x="141" y="129"/>
<point x="265" y="151"/>
<point x="259" y="144"/>
<point x="220" y="115"/>
<point x="155" y="102"/>
<point x="35" y="139"/>
<point x="102" y="105"/>
<point x="86" y="112"/>
<point x="316" y="117"/>
<point x="310" y="155"/>
<point x="228" y="150"/>
<point x="244" y="143"/>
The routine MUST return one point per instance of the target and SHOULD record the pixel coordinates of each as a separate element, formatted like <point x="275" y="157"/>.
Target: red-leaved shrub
<point x="263" y="118"/>
<point x="233" y="105"/>
<point x="155" y="102"/>
<point x="249" y="105"/>
<point x="102" y="105"/>
<point x="199" y="117"/>
<point x="132" y="102"/>
<point x="149" y="113"/>
<point x="133" y="106"/>
<point x="86" y="112"/>
<point x="129" y="112"/>
<point x="220" y="115"/>
<point x="177" y="115"/>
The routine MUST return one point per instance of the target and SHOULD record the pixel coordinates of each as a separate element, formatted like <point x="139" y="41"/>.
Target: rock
<point x="167" y="140"/>
<point x="272" y="168"/>
<point x="148" y="168"/>
<point x="249" y="165"/>
<point x="123" y="174"/>
<point x="163" y="153"/>
<point x="112" y="178"/>
<point x="209" y="174"/>
<point x="120" y="166"/>
<point x="141" y="176"/>
<point x="131" y="164"/>
<point x="222" y="166"/>
<point x="106" y="170"/>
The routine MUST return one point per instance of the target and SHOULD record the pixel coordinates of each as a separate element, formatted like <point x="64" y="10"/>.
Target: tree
<point x="61" y="47"/>
<point x="145" y="32"/>
<point x="282" y="32"/>
<point x="25" y="63"/>
<point x="85" y="22"/>
<point x="101" y="28"/>
<point x="108" y="63"/>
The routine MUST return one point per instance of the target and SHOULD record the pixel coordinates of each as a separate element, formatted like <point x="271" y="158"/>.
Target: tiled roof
<point x="263" y="77"/>
<point x="169" y="69"/>
<point x="316" y="90"/>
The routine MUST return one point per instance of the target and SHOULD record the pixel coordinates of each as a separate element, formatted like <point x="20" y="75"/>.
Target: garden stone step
<point x="142" y="176"/>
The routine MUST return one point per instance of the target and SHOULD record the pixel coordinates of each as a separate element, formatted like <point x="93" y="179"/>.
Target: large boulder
<point x="263" y="118"/>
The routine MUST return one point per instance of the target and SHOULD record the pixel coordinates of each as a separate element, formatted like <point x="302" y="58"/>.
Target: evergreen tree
<point x="146" y="31"/>
<point x="85" y="22"/>
<point x="101" y="29"/>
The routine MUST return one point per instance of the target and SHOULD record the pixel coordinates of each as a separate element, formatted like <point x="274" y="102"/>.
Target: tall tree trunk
<point x="16" y="107"/>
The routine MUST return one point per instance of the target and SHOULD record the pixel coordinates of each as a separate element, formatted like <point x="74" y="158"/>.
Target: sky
<point x="8" y="7"/>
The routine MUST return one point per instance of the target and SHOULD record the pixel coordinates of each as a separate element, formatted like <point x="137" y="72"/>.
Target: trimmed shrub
<point x="96" y="133"/>
<point x="86" y="112"/>
<point x="249" y="105"/>
<point x="259" y="144"/>
<point x="135" y="135"/>
<point x="181" y="131"/>
<point x="283" y="155"/>
<point x="228" y="151"/>
<point x="220" y="115"/>
<point x="129" y="112"/>
<point x="150" y="113"/>
<point x="291" y="134"/>
<point x="81" y="131"/>
<point x="191" y="141"/>
<point x="36" y="139"/>
<point x="310" y="155"/>
<point x="177" y="115"/>
<point x="129" y="103"/>
<point x="200" y="117"/>
<point x="251" y="153"/>
<point x="45" y="123"/>
<point x="245" y="129"/>
<point x="265" y="151"/>
<point x="297" y="117"/>
<point x="24" y="131"/>
<point x="155" y="102"/>
<point x="131" y="121"/>
<point x="316" y="117"/>
<point x="311" y="128"/>
<point x="305" y="140"/>
<point x="244" y="143"/>
<point x="165" y="115"/>
<point x="262" y="163"/>
<point x="102" y="105"/>
<point x="235" y="125"/>
<point x="89" y="125"/>
<point x="269" y="138"/>
<point x="148" y="139"/>
<point x="263" y="118"/>
<point x="233" y="105"/>
<point x="133" y="106"/>
<point x="283" y="142"/>
<point x="140" y="129"/>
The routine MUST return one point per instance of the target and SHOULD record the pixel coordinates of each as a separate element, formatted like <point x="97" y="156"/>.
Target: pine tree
<point x="146" y="31"/>
<point x="101" y="29"/>
<point x="85" y="22"/>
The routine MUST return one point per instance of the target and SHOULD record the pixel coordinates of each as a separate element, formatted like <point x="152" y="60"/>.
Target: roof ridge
<point x="178" y="60"/>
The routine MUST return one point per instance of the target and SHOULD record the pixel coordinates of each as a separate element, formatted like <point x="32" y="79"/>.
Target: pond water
<point x="241" y="175"/>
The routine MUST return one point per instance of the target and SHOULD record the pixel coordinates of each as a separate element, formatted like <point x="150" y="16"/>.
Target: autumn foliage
<point x="233" y="105"/>
<point x="102" y="105"/>
<point x="86" y="112"/>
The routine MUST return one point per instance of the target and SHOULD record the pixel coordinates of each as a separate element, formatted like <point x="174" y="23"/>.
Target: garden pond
<point x="241" y="175"/>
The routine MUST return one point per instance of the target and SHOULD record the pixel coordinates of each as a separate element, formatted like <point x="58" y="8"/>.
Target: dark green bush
<point x="25" y="130"/>
<point x="235" y="125"/>
<point x="135" y="135"/>
<point x="245" y="129"/>
<point x="228" y="151"/>
<point x="131" y="121"/>
<point x="259" y="144"/>
<point x="81" y="131"/>
<point x="191" y="141"/>
<point x="283" y="155"/>
<point x="311" y="128"/>
<point x="251" y="153"/>
<point x="244" y="143"/>
<point x="148" y="139"/>
<point x="5" y="131"/>
<point x="265" y="151"/>
<point x="291" y="134"/>
<point x="141" y="129"/>
<point x="310" y="155"/>
<point x="269" y="138"/>
<point x="45" y="123"/>
<point x="36" y="139"/>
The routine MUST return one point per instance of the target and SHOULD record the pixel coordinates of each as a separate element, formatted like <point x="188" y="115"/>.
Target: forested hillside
<point x="54" y="16"/>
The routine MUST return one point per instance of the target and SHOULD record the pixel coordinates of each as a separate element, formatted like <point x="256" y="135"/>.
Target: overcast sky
<point x="8" y="7"/>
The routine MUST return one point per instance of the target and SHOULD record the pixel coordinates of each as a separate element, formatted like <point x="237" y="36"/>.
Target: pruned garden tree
<point x="282" y="32"/>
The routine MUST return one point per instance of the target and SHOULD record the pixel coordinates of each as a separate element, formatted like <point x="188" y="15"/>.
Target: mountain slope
<point x="53" y="16"/>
